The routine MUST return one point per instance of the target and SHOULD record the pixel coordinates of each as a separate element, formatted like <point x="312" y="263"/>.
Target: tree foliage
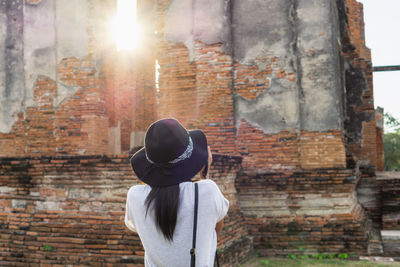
<point x="391" y="143"/>
<point x="391" y="123"/>
<point x="391" y="147"/>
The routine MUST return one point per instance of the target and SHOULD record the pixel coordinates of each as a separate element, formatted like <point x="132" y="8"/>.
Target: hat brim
<point x="173" y="173"/>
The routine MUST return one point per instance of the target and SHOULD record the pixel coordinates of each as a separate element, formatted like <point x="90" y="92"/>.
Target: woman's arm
<point x="219" y="226"/>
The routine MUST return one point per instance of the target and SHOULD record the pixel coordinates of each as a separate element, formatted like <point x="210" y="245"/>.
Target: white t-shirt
<point x="213" y="206"/>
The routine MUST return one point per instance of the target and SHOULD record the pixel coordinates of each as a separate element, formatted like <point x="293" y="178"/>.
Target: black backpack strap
<point x="216" y="258"/>
<point x="196" y="205"/>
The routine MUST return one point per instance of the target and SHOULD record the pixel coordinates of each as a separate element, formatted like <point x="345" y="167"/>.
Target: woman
<point x="162" y="210"/>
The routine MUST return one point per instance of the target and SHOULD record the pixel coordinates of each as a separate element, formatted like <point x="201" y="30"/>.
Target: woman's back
<point x="161" y="252"/>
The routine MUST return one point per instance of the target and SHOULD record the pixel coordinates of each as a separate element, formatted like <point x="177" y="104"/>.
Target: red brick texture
<point x="287" y="189"/>
<point x="369" y="194"/>
<point x="379" y="150"/>
<point x="379" y="139"/>
<point x="198" y="93"/>
<point x="389" y="183"/>
<point x="322" y="150"/>
<point x="360" y="124"/>
<point x="314" y="209"/>
<point x="120" y="80"/>
<point x="262" y="151"/>
<point x="74" y="114"/>
<point x="76" y="126"/>
<point x="70" y="210"/>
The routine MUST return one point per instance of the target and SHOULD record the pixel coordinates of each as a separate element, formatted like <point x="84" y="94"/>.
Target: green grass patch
<point x="326" y="262"/>
<point x="48" y="247"/>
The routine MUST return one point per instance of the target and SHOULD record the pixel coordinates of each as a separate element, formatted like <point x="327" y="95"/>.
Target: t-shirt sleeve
<point x="221" y="203"/>
<point x="128" y="212"/>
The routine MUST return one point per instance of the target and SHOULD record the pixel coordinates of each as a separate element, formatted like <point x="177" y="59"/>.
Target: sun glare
<point x="124" y="28"/>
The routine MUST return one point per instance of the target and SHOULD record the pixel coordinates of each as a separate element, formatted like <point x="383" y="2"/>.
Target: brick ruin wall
<point x="295" y="105"/>
<point x="65" y="88"/>
<point x="293" y="101"/>
<point x="316" y="210"/>
<point x="379" y="117"/>
<point x="242" y="86"/>
<point x="253" y="93"/>
<point x="70" y="210"/>
<point x="389" y="182"/>
<point x="363" y="125"/>
<point x="360" y="123"/>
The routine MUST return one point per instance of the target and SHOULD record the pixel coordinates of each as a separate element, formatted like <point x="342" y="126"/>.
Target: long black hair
<point x="165" y="206"/>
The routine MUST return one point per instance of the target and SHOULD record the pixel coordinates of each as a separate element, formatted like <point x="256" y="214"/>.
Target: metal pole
<point x="386" y="68"/>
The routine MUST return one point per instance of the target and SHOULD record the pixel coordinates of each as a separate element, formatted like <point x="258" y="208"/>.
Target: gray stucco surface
<point x="303" y="37"/>
<point x="319" y="61"/>
<point x="12" y="86"/>
<point x="72" y="21"/>
<point x="34" y="38"/>
<point x="215" y="30"/>
<point x="39" y="44"/>
<point x="303" y="34"/>
<point x="72" y="39"/>
<point x="3" y="35"/>
<point x="179" y="24"/>
<point x="267" y="31"/>
<point x="260" y="25"/>
<point x="270" y="112"/>
<point x="203" y="20"/>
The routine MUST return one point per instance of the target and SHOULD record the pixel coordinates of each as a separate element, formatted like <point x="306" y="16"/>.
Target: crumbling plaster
<point x="12" y="84"/>
<point x="302" y="35"/>
<point x="35" y="37"/>
<point x="203" y="20"/>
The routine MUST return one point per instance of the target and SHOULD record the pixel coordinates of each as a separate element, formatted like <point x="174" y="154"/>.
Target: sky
<point x="382" y="34"/>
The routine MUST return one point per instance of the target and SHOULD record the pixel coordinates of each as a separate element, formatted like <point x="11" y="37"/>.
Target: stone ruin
<point x="282" y="88"/>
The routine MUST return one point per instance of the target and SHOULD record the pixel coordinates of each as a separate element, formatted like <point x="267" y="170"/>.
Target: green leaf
<point x="391" y="147"/>
<point x="391" y="121"/>
<point x="291" y="256"/>
<point x="264" y="262"/>
<point x="48" y="247"/>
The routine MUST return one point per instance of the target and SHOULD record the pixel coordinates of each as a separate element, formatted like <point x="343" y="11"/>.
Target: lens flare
<point x="124" y="28"/>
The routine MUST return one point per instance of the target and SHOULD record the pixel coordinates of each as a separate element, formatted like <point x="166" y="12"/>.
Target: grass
<point x="263" y="262"/>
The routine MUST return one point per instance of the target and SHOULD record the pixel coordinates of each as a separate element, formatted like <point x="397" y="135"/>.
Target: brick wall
<point x="262" y="151"/>
<point x="198" y="93"/>
<point x="195" y="86"/>
<point x="294" y="188"/>
<point x="360" y="125"/>
<point x="98" y="102"/>
<point x="115" y="98"/>
<point x="204" y="86"/>
<point x="322" y="150"/>
<point x="316" y="210"/>
<point x="379" y="138"/>
<point x="76" y="126"/>
<point x="369" y="194"/>
<point x="389" y="183"/>
<point x="70" y="210"/>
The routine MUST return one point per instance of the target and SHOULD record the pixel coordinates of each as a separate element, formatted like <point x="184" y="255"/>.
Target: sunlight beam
<point x="125" y="31"/>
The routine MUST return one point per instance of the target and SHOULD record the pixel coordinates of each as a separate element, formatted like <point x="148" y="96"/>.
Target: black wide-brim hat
<point x="171" y="154"/>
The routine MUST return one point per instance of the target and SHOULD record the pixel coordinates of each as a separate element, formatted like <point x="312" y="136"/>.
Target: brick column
<point x="195" y="82"/>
